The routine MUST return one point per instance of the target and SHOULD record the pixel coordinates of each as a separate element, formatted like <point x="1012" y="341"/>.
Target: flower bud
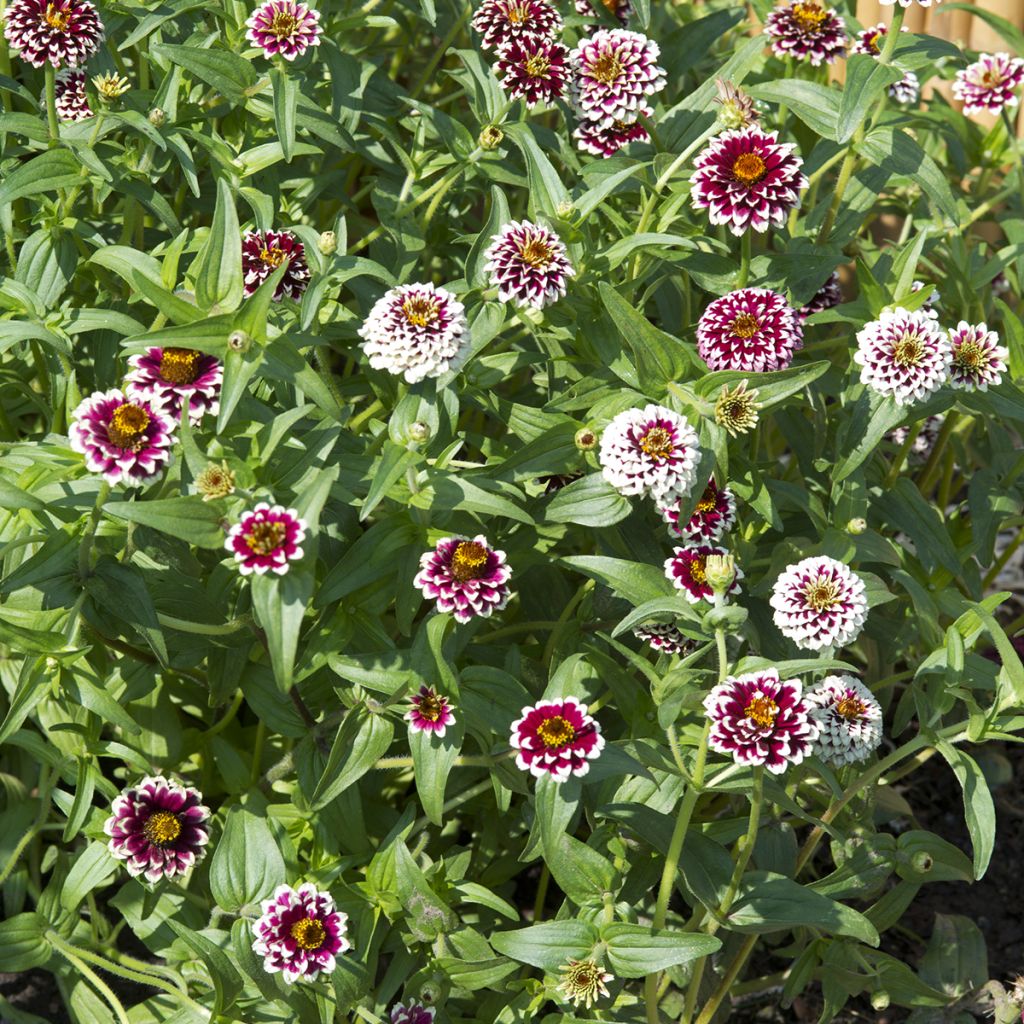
<point x="720" y="571"/>
<point x="880" y="1000"/>
<point x="491" y="137"/>
<point x="327" y="243"/>
<point x="922" y="862"/>
<point x="857" y="526"/>
<point x="157" y="117"/>
<point x="111" y="86"/>
<point x="239" y="341"/>
<point x="419" y="432"/>
<point x="565" y="208"/>
<point x="729" y="617"/>
<point x="585" y="439"/>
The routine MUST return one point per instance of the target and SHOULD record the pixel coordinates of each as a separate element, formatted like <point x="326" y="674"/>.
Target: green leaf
<point x="548" y="945"/>
<point x="23" y="941"/>
<point x="55" y="169"/>
<point x="121" y="590"/>
<point x="546" y="188"/>
<point x="591" y="501"/>
<point x="870" y="418"/>
<point x="956" y="961"/>
<point x="280" y="604"/>
<point x="190" y="519"/>
<point x="979" y="811"/>
<point x="905" y="507"/>
<point x="816" y="105"/>
<point x="218" y="267"/>
<point x="286" y="101"/>
<point x="634" y="951"/>
<point x="497" y="217"/>
<point x="1008" y="31"/>
<point x="433" y="759"/>
<point x="637" y="583"/>
<point x="247" y="865"/>
<point x="427" y="913"/>
<point x="92" y="867"/>
<point x="361" y="739"/>
<point x="866" y="82"/>
<point x="227" y="982"/>
<point x="232" y="76"/>
<point x="391" y="467"/>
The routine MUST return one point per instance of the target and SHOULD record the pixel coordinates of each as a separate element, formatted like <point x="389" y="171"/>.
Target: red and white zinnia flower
<point x="806" y="32"/>
<point x="752" y="329"/>
<point x="714" y="515"/>
<point x="904" y="355"/>
<point x="614" y="71"/>
<point x="686" y="570"/>
<point x="465" y="577"/>
<point x="990" y="84"/>
<point x="535" y="70"/>
<point x="63" y="33"/>
<point x="506" y="21"/>
<point x="528" y="264"/>
<point x="819" y="602"/>
<point x="430" y="712"/>
<point x="978" y="358"/>
<point x="69" y="93"/>
<point x="263" y="253"/>
<point x="284" y="28"/>
<point x="177" y="377"/>
<point x="849" y="720"/>
<point x="556" y="738"/>
<point x="267" y="539"/>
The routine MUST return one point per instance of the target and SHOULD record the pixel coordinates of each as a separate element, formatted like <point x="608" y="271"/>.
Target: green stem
<point x="85" y="547"/>
<point x="97" y="982"/>
<point x="744" y="275"/>
<point x="204" y="629"/>
<point x="929" y="474"/>
<point x="52" y="124"/>
<point x="900" y="457"/>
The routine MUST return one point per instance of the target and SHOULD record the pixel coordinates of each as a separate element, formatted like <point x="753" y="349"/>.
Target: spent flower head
<point x="584" y="982"/>
<point x="216" y="481"/>
<point x="736" y="409"/>
<point x="737" y="108"/>
<point x="110" y="86"/>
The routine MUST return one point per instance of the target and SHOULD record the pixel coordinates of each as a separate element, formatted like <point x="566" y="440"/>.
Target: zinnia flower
<point x="619" y="9"/>
<point x="111" y="86"/>
<point x="300" y="933"/>
<point x="736" y="409"/>
<point x="827" y="296"/>
<point x="614" y="71"/>
<point x="533" y="69"/>
<point x="848" y="717"/>
<point x="128" y="440"/>
<point x="414" y="1013"/>
<point x="978" y="358"/>
<point x="652" y="451"/>
<point x="158" y="828"/>
<point x="267" y="540"/>
<point x="714" y="515"/>
<point x="989" y="84"/>
<point x="807" y="32"/>
<point x="178" y="377"/>
<point x="686" y="570"/>
<point x="604" y="140"/>
<point x="903" y="355"/>
<point x="557" y="737"/>
<point x="528" y="265"/>
<point x="664" y="637"/>
<point x="63" y="32"/>
<point x="759" y="718"/>
<point x="72" y="102"/>
<point x="753" y="329"/>
<point x="507" y="21"/>
<point x="263" y="253"/>
<point x="820" y="602"/>
<point x="284" y="27"/>
<point x="416" y="331"/>
<point x="430" y="712"/>
<point x="465" y="577"/>
<point x="216" y="481"/>
<point x="746" y="178"/>
<point x="584" y="982"/>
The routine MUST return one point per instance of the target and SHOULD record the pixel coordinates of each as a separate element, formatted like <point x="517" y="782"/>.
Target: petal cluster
<point x="602" y="140"/>
<point x="63" y="33"/>
<point x="267" y="539"/>
<point x="500" y="22"/>
<point x="903" y="355"/>
<point x="652" y="451"/>
<point x="300" y="933"/>
<point x="819" y="602"/>
<point x="827" y="296"/>
<point x="760" y="719"/>
<point x="686" y="570"/>
<point x="528" y="264"/>
<point x="714" y="515"/>
<point x="158" y="828"/>
<point x="414" y="1013"/>
<point x="264" y="252"/>
<point x="465" y="577"/>
<point x="69" y="92"/>
<point x="126" y="439"/>
<point x="535" y="70"/>
<point x="665" y="637"/>
<point x="556" y="738"/>
<point x="868" y="41"/>
<point x="176" y="378"/>
<point x="807" y="32"/>
<point x="747" y="179"/>
<point x="978" y="358"/>
<point x="416" y="331"/>
<point x="752" y="329"/>
<point x="621" y="10"/>
<point x="614" y="70"/>
<point x="284" y="28"/>
<point x="849" y="720"/>
<point x="430" y="712"/>
<point x="990" y="84"/>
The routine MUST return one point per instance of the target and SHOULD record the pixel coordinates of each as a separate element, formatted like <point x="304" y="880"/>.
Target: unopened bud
<point x="52" y="666"/>
<point x="327" y="243"/>
<point x="157" y="117"/>
<point x="857" y="526"/>
<point x="585" y="439"/>
<point x="565" y="208"/>
<point x="880" y="1000"/>
<point x="922" y="862"/>
<point x="491" y="137"/>
<point x="239" y="341"/>
<point x="419" y="431"/>
<point x="720" y="571"/>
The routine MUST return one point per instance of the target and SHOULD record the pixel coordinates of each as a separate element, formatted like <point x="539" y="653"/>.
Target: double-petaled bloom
<point x="760" y="719"/>
<point x="614" y="71"/>
<point x="500" y="22"/>
<point x="430" y="712"/>
<point x="752" y="329"/>
<point x="849" y="720"/>
<point x="556" y="738"/>
<point x="604" y="140"/>
<point x="664" y="637"/>
<point x="528" y="264"/>
<point x="127" y="439"/>
<point x="413" y="1013"/>
<point x="652" y="451"/>
<point x="806" y="32"/>
<point x="63" y="33"/>
<point x="978" y="358"/>
<point x="300" y="933"/>
<point x="465" y="577"/>
<point x="686" y="570"/>
<point x="618" y="9"/>
<point x="263" y="253"/>
<point x="284" y="28"/>
<point x="819" y="602"/>
<point x="69" y="92"/>
<point x="177" y="377"/>
<point x="714" y="515"/>
<point x="868" y="41"/>
<point x="158" y="828"/>
<point x="416" y="331"/>
<point x="535" y="70"/>
<point x="267" y="539"/>
<point x="747" y="179"/>
<point x="990" y="84"/>
<point x="904" y="355"/>
<point x="827" y="296"/>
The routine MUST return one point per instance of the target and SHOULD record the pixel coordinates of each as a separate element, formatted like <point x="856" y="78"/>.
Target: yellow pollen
<point x="821" y="594"/>
<point x="969" y="355"/>
<point x="850" y="708"/>
<point x="907" y="350"/>
<point x="606" y="68"/>
<point x="745" y="326"/>
<point x="273" y="257"/>
<point x="537" y="66"/>
<point x="873" y="42"/>
<point x="708" y="501"/>
<point x="309" y="933"/>
<point x="537" y="253"/>
<point x="430" y="707"/>
<point x="57" y="18"/>
<point x="748" y="168"/>
<point x="990" y="78"/>
<point x="266" y="537"/>
<point x="469" y="562"/>
<point x="809" y="17"/>
<point x="657" y="443"/>
<point x="698" y="569"/>
<point x="420" y="310"/>
<point x="128" y="427"/>
<point x="611" y="5"/>
<point x="762" y="711"/>
<point x="283" y="24"/>
<point x="518" y="14"/>
<point x="162" y="828"/>
<point x="179" y="365"/>
<point x="555" y="732"/>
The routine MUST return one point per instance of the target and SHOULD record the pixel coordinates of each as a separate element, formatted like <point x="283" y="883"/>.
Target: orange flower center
<point x="57" y="18"/>
<point x="555" y="732"/>
<point x="469" y="561"/>
<point x="179" y="365"/>
<point x="748" y="168"/>
<point x="162" y="828"/>
<point x="907" y="350"/>
<point x="518" y="14"/>
<point x="850" y="708"/>
<point x="809" y="17"/>
<point x="430" y="707"/>
<point x="309" y="933"/>
<point x="821" y="595"/>
<point x="283" y="25"/>
<point x="761" y="710"/>
<point x="970" y="356"/>
<point x="537" y="66"/>
<point x="420" y="310"/>
<point x="273" y="257"/>
<point x="606" y="68"/>
<point x="128" y="426"/>
<point x="537" y="253"/>
<point x="266" y="537"/>
<point x="657" y="443"/>
<point x="745" y="326"/>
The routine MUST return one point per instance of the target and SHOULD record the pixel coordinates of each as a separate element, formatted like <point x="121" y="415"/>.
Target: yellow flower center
<point x="179" y="365"/>
<point x="283" y="25"/>
<point x="518" y="14"/>
<point x="57" y="18"/>
<point x="761" y="710"/>
<point x="420" y="310"/>
<point x="907" y="350"/>
<point x="537" y="66"/>
<point x="708" y="500"/>
<point x="537" y="253"/>
<point x="970" y="356"/>
<point x="273" y="257"/>
<point x="657" y="443"/>
<point x="745" y="326"/>
<point x="850" y="708"/>
<point x="809" y="17"/>
<point x="469" y="561"/>
<point x="128" y="426"/>
<point x="698" y="569"/>
<point x="555" y="732"/>
<point x="821" y="595"/>
<point x="430" y="707"/>
<point x="606" y="68"/>
<point x="309" y="933"/>
<point x="266" y="537"/>
<point x="748" y="168"/>
<point x="162" y="828"/>
<point x="990" y="78"/>
<point x="873" y="42"/>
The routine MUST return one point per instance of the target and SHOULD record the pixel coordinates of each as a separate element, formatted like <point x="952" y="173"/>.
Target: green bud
<point x="419" y="432"/>
<point x="239" y="341"/>
<point x="157" y="117"/>
<point x="491" y="137"/>
<point x="729" y="617"/>
<point x="327" y="243"/>
<point x="586" y="439"/>
<point x="720" y="571"/>
<point x="880" y="1000"/>
<point x="857" y="526"/>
